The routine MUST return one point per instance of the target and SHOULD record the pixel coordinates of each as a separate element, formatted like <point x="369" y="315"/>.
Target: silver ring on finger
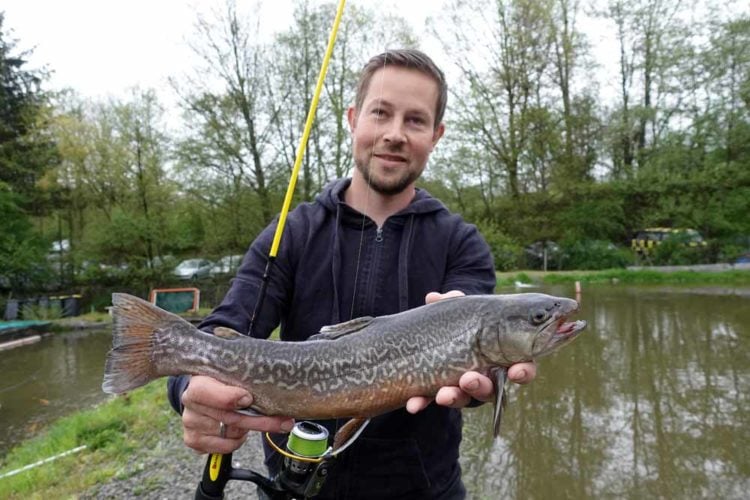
<point x="222" y="430"/>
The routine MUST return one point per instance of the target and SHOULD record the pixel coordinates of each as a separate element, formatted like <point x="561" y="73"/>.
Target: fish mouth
<point x="569" y="328"/>
<point x="559" y="332"/>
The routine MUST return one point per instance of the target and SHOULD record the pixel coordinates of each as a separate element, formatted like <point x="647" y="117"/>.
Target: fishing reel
<point x="307" y="460"/>
<point x="306" y="463"/>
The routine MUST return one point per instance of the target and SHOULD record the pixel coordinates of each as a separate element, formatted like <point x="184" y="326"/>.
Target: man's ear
<point x="351" y="117"/>
<point x="437" y="134"/>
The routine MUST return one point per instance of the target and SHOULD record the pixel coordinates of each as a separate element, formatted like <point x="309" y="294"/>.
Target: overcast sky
<point x="103" y="47"/>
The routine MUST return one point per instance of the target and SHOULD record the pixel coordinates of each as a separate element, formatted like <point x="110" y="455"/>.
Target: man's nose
<point x="394" y="132"/>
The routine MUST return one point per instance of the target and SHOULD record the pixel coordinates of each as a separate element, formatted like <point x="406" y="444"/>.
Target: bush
<point x="676" y="251"/>
<point x="505" y="251"/>
<point x="594" y="254"/>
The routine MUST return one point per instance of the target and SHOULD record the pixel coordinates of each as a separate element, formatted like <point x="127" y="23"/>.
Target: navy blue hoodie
<point x="335" y="264"/>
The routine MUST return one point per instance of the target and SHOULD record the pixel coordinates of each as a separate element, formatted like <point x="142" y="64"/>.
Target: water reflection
<point x="650" y="402"/>
<point x="43" y="381"/>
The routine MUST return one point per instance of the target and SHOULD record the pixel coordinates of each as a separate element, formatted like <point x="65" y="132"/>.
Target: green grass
<point x="641" y="277"/>
<point x="111" y="431"/>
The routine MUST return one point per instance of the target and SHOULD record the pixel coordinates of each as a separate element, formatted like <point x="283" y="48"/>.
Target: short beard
<point x="393" y="189"/>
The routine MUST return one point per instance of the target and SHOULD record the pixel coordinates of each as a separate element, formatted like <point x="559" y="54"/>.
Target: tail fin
<point x="129" y="364"/>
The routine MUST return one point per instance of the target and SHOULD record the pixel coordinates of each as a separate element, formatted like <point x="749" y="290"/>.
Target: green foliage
<point x="506" y="252"/>
<point x="677" y="251"/>
<point x="594" y="254"/>
<point x="592" y="213"/>
<point x="25" y="150"/>
<point x="103" y="433"/>
<point x="42" y="312"/>
<point x="22" y="251"/>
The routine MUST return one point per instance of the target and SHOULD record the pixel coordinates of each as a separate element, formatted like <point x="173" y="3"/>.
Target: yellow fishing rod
<point x="218" y="470"/>
<point x="298" y="162"/>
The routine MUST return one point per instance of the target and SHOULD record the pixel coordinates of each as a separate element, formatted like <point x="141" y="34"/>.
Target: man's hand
<point x="209" y="402"/>
<point x="472" y="384"/>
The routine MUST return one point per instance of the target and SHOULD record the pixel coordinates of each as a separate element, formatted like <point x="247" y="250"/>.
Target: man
<point x="372" y="245"/>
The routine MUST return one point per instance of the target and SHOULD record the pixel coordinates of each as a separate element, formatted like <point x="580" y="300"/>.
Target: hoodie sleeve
<point x="236" y="309"/>
<point x="470" y="266"/>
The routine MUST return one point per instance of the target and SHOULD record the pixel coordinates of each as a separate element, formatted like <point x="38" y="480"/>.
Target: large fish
<point x="358" y="369"/>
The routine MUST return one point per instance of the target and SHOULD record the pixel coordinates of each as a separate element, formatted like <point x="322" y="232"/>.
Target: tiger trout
<point x="357" y="369"/>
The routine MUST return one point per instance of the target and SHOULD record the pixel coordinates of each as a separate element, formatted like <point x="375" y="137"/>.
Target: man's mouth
<point x="390" y="157"/>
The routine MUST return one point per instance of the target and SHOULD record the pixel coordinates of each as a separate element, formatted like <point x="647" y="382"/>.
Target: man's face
<point x="394" y="132"/>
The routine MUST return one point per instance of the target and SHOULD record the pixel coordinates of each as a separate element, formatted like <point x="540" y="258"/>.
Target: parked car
<point x="647" y="239"/>
<point x="163" y="261"/>
<point x="226" y="265"/>
<point x="193" y="269"/>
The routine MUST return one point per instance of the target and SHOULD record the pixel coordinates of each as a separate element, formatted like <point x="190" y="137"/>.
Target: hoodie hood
<point x="332" y="198"/>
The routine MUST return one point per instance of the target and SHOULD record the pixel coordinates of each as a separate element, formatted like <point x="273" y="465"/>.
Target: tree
<point x="116" y="197"/>
<point x="25" y="149"/>
<point x="504" y="83"/>
<point x="229" y="115"/>
<point x="652" y="39"/>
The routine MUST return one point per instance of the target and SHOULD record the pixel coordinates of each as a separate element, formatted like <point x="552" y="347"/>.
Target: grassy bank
<point x="624" y="276"/>
<point x="111" y="432"/>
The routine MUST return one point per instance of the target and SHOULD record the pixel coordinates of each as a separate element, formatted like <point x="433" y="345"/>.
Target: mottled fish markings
<point x="361" y="368"/>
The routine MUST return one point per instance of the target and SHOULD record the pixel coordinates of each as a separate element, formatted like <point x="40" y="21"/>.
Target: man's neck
<point x="376" y="206"/>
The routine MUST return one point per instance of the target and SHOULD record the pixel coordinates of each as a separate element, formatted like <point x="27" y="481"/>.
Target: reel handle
<point x="219" y="471"/>
<point x="216" y="474"/>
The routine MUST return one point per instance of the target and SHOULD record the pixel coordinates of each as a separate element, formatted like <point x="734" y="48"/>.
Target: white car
<point x="192" y="269"/>
<point x="226" y="265"/>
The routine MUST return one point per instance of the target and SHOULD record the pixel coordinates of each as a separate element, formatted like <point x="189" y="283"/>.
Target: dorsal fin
<point x="227" y="333"/>
<point x="333" y="332"/>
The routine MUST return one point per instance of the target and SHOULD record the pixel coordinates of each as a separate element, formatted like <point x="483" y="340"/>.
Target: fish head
<point x="530" y="325"/>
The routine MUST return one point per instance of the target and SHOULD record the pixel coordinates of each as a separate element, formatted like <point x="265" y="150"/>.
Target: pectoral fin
<point x="227" y="333"/>
<point x="333" y="332"/>
<point x="501" y="375"/>
<point x="348" y="433"/>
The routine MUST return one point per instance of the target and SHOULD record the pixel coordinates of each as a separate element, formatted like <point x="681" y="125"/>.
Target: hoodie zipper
<point x="379" y="235"/>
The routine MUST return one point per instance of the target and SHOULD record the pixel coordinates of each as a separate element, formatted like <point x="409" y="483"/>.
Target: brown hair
<point x="405" y="58"/>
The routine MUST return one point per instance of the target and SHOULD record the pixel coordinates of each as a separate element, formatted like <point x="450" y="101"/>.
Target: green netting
<point x="175" y="301"/>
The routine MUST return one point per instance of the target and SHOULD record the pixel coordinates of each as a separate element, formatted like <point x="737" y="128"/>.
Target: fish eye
<point x="538" y="316"/>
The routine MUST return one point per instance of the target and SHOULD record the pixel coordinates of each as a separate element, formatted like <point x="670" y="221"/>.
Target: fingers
<point x="470" y="385"/>
<point x="210" y="392"/>
<point x="522" y="373"/>
<point x="435" y="296"/>
<point x="417" y="404"/>
<point x="207" y="403"/>
<point x="452" y="397"/>
<point x="203" y="434"/>
<point x="477" y="386"/>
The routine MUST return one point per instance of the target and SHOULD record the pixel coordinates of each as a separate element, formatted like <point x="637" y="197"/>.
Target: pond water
<point x="41" y="382"/>
<point x="650" y="401"/>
